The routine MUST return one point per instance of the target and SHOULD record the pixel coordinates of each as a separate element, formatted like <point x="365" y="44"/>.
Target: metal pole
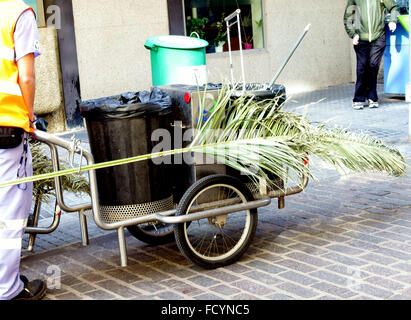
<point x="122" y="247"/>
<point x="241" y="51"/>
<point x="83" y="229"/>
<point x="307" y="28"/>
<point x="408" y="90"/>
<point x="229" y="50"/>
<point x="227" y="20"/>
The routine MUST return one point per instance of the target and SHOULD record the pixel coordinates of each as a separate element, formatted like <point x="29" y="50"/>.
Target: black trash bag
<point x="261" y="91"/>
<point x="126" y="105"/>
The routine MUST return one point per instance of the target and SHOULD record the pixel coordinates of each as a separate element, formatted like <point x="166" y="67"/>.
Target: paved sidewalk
<point x="345" y="237"/>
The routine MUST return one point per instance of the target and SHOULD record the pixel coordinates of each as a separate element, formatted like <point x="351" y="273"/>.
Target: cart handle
<point x="235" y="14"/>
<point x="231" y="16"/>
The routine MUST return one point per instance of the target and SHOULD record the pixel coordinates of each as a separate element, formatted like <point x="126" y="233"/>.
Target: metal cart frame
<point x="92" y="210"/>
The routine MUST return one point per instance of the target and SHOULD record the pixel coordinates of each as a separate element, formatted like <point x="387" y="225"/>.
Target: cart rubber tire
<point x="246" y="236"/>
<point x="151" y="238"/>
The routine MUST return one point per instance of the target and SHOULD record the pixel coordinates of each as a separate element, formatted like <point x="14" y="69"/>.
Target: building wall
<point x="110" y="36"/>
<point x="112" y="58"/>
<point x="49" y="102"/>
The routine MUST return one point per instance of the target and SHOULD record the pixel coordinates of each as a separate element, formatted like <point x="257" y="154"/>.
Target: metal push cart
<point x="213" y="220"/>
<point x="214" y="223"/>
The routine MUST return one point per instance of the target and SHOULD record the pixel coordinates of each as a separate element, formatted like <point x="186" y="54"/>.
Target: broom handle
<point x="307" y="28"/>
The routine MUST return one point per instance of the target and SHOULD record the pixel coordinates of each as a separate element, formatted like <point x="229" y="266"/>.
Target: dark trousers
<point x="369" y="57"/>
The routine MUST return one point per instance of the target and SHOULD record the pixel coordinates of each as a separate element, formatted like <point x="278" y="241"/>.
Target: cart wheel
<point x="218" y="241"/>
<point x="153" y="233"/>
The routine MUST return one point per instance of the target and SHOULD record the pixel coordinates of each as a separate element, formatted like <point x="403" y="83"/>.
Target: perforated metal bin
<point x="120" y="127"/>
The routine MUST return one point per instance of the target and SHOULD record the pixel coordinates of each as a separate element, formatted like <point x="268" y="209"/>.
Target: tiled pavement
<point x="345" y="237"/>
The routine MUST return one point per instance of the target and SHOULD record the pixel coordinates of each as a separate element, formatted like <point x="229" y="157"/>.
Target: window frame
<point x="177" y="20"/>
<point x="176" y="17"/>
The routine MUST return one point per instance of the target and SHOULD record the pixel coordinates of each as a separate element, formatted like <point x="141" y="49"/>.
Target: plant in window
<point x="221" y="37"/>
<point x="197" y="26"/>
<point x="248" y="42"/>
<point x="247" y="39"/>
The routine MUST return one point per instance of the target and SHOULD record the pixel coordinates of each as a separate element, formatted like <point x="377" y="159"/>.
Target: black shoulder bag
<point x="10" y="137"/>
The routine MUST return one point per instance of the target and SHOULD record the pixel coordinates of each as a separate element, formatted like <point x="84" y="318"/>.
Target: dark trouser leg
<point x="376" y="52"/>
<point x="361" y="87"/>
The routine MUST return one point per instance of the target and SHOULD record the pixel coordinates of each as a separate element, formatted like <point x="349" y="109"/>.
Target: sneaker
<point x="33" y="290"/>
<point x="358" y="105"/>
<point x="373" y="104"/>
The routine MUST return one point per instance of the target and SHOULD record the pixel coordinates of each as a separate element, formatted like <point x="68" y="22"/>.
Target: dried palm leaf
<point x="42" y="164"/>
<point x="245" y="133"/>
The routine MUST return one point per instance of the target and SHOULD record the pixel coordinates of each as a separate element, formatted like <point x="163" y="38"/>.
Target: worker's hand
<point x="33" y="120"/>
<point x="392" y="26"/>
<point x="356" y="40"/>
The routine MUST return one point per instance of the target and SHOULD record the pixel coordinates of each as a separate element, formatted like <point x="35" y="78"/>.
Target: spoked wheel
<point x="153" y="233"/>
<point x="218" y="241"/>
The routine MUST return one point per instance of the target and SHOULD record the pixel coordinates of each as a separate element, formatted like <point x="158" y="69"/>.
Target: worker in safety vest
<point x="19" y="46"/>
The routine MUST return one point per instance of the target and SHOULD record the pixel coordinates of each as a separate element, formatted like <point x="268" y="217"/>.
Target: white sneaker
<point x="373" y="104"/>
<point x="358" y="105"/>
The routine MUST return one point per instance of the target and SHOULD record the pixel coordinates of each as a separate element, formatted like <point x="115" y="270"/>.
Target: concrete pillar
<point x="49" y="103"/>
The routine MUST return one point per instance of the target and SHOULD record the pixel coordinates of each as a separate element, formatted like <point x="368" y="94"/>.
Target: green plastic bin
<point x="177" y="60"/>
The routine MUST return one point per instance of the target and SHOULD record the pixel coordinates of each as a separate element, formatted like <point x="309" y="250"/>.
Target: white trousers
<point x="15" y="203"/>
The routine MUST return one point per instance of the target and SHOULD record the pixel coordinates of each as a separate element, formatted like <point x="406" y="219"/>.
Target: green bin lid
<point x="405" y="22"/>
<point x="175" y="42"/>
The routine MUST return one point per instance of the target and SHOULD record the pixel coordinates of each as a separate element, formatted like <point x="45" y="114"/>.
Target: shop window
<point x="38" y="8"/>
<point x="205" y="18"/>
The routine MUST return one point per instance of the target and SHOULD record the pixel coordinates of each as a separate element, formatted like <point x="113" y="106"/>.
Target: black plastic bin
<point x="262" y="91"/>
<point x="121" y="127"/>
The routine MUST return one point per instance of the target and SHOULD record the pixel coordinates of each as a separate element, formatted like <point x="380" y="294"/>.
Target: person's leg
<point x="362" y="51"/>
<point x="376" y="52"/>
<point x="367" y="80"/>
<point x="15" y="203"/>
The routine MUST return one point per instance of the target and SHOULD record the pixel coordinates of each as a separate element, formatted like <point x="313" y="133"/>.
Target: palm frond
<point x="245" y="133"/>
<point x="263" y="141"/>
<point x="45" y="189"/>
<point x="358" y="152"/>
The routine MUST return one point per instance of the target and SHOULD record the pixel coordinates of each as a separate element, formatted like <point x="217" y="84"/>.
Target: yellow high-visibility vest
<point x="13" y="110"/>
